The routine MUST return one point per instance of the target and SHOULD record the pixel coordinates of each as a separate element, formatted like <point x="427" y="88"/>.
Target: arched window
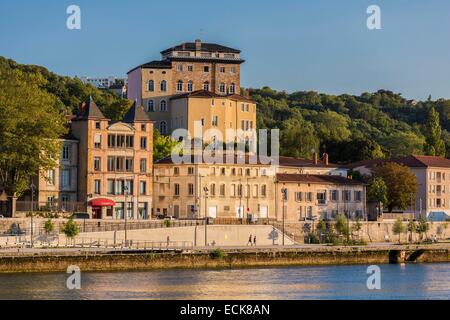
<point x="222" y="88"/>
<point x="180" y="86"/>
<point x="164" y="86"/>
<point x="190" y="86"/>
<point x="163" y="127"/>
<point x="232" y="88"/>
<point x="151" y="106"/>
<point x="151" y="86"/>
<point x="163" y="106"/>
<point x="206" y="86"/>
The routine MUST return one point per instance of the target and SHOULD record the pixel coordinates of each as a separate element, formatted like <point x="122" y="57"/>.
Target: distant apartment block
<point x="103" y="83"/>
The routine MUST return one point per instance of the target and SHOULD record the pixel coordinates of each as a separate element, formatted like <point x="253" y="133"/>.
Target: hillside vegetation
<point x="352" y="128"/>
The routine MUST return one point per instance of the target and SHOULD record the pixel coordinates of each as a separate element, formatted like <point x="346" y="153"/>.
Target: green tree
<point x="398" y="228"/>
<point x="298" y="139"/>
<point x="30" y="125"/>
<point x="401" y="184"/>
<point x="422" y="227"/>
<point x="49" y="226"/>
<point x="411" y="228"/>
<point x="162" y="146"/>
<point x="341" y="225"/>
<point x="377" y="191"/>
<point x="71" y="229"/>
<point x="435" y="146"/>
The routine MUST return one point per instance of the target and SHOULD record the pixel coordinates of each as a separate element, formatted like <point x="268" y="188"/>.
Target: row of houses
<point x="106" y="167"/>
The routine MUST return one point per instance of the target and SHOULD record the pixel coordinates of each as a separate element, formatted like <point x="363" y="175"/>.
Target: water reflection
<point x="412" y="281"/>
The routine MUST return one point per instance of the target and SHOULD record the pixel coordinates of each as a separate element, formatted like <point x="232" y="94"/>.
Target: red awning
<point x="100" y="202"/>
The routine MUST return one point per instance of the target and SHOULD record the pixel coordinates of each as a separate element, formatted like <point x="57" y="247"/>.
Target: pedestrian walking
<point x="254" y="241"/>
<point x="168" y="241"/>
<point x="249" y="240"/>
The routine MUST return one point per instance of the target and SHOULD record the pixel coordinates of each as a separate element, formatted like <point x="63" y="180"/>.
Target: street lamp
<point x="33" y="188"/>
<point x="284" y="198"/>
<point x="126" y="191"/>
<point x="206" y="190"/>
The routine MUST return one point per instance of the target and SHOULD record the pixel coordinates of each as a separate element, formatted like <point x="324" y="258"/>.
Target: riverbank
<point x="89" y="260"/>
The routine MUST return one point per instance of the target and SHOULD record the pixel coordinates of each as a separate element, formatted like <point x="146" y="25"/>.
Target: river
<point x="410" y="281"/>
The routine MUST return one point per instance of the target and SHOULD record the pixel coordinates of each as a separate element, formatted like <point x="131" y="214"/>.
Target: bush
<point x="49" y="226"/>
<point x="71" y="229"/>
<point x="218" y="254"/>
<point x="167" y="223"/>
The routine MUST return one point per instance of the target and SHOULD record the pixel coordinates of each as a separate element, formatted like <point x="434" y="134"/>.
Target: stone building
<point x="313" y="196"/>
<point x="237" y="190"/>
<point x="193" y="81"/>
<point x="115" y="162"/>
<point x="433" y="179"/>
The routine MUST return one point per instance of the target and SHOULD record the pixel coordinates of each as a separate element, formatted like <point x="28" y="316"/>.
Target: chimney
<point x="315" y="158"/>
<point x="325" y="159"/>
<point x="198" y="45"/>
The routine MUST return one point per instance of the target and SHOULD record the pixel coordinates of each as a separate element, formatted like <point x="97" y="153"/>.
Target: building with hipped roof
<point x="194" y="81"/>
<point x="433" y="179"/>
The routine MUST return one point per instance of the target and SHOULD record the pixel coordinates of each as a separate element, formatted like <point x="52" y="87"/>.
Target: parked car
<point x="80" y="216"/>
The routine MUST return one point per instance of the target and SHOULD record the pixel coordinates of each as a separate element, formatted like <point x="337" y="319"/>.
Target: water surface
<point x="411" y="281"/>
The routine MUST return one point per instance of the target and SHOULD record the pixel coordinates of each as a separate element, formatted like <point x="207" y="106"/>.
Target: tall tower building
<point x="193" y="81"/>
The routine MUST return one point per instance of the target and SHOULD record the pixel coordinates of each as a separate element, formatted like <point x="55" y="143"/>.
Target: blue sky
<point x="289" y="45"/>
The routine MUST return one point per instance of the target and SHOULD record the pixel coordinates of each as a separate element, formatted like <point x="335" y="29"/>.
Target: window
<point x="143" y="127"/>
<point x="177" y="189"/>
<point x="179" y="67"/>
<point x="206" y="86"/>
<point x="263" y="190"/>
<point x="65" y="178"/>
<point x="215" y="121"/>
<point x="97" y="125"/>
<point x="143" y="143"/>
<point x="163" y="127"/>
<point x="357" y="196"/>
<point x="346" y="196"/>
<point x="142" y="187"/>
<point x="129" y="164"/>
<point x="143" y="165"/>
<point x="66" y="152"/>
<point x="191" y="189"/>
<point x="233" y="190"/>
<point x="233" y="70"/>
<point x="180" y="86"/>
<point x="334" y="195"/>
<point x="50" y="177"/>
<point x="232" y="88"/>
<point x="110" y="186"/>
<point x="176" y="171"/>
<point x="97" y="186"/>
<point x="233" y="171"/>
<point x="206" y="69"/>
<point x="151" y="86"/>
<point x="222" y="88"/>
<point x="222" y="171"/>
<point x="239" y="190"/>
<point x="247" y="172"/>
<point x="321" y="197"/>
<point x="255" y="191"/>
<point x="222" y="190"/>
<point x="191" y="171"/>
<point x="98" y="141"/>
<point x="97" y="164"/>
<point x="190" y="68"/>
<point x="299" y="196"/>
<point x="190" y="86"/>
<point x="151" y="106"/>
<point x="163" y="86"/>
<point x="222" y="69"/>
<point x="213" y="190"/>
<point x="163" y="106"/>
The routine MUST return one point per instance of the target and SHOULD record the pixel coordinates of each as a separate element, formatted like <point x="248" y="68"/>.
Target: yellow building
<point x="115" y="163"/>
<point x="193" y="81"/>
<point x="237" y="190"/>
